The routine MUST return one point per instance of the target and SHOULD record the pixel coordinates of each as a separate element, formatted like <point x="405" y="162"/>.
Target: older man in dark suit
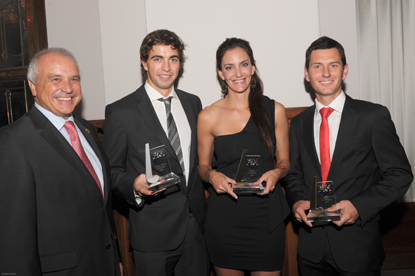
<point x="55" y="194"/>
<point x="166" y="225"/>
<point x="354" y="144"/>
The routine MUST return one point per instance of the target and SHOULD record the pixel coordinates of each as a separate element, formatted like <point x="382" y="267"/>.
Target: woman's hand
<point x="220" y="183"/>
<point x="271" y="178"/>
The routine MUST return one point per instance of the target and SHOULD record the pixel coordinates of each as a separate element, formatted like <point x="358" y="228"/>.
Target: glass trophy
<point x="156" y="160"/>
<point x="322" y="198"/>
<point x="247" y="174"/>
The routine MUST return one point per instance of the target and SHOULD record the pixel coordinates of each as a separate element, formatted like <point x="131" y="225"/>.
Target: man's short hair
<point x="324" y="43"/>
<point x="161" y="37"/>
<point x="33" y="70"/>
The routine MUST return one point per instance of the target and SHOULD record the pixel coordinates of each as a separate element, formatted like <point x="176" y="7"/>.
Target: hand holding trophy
<point x="322" y="198"/>
<point x="156" y="159"/>
<point x="247" y="175"/>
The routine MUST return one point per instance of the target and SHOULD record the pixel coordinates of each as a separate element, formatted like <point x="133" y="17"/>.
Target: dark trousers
<point x="189" y="259"/>
<point x="327" y="266"/>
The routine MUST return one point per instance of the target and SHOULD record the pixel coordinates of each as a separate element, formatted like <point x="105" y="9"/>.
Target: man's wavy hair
<point x="161" y="37"/>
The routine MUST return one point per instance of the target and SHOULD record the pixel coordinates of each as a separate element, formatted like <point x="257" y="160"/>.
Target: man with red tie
<point x="55" y="187"/>
<point x="354" y="144"/>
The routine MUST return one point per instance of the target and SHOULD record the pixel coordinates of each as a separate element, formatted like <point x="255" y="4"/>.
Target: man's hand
<point x="299" y="209"/>
<point x="139" y="187"/>
<point x="349" y="212"/>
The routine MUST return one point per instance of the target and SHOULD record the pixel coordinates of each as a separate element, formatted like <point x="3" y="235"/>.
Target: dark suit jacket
<point x="160" y="223"/>
<point x="53" y="217"/>
<point x="367" y="146"/>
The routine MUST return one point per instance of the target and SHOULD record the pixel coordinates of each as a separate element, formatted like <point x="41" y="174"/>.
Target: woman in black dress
<point x="243" y="232"/>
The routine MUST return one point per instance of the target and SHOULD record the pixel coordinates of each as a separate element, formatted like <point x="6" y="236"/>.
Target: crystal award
<point x="322" y="198"/>
<point x="157" y="161"/>
<point x="247" y="174"/>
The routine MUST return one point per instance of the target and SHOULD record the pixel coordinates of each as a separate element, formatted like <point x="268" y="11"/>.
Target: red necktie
<point x="77" y="146"/>
<point x="324" y="142"/>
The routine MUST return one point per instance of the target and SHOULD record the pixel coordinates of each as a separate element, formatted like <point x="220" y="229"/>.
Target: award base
<point x="164" y="181"/>
<point x="321" y="215"/>
<point x="247" y="188"/>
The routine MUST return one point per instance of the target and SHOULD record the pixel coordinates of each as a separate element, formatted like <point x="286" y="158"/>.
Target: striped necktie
<point x="172" y="131"/>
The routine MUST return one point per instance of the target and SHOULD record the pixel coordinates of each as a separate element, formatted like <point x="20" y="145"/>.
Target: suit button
<point x="108" y="246"/>
<point x="180" y="175"/>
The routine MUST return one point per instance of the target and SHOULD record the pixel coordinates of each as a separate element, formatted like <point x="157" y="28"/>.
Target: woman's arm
<point x="205" y="137"/>
<point x="282" y="153"/>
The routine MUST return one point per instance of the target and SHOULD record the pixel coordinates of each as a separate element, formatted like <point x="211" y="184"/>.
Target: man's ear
<point x="144" y="64"/>
<point x="306" y="74"/>
<point x="345" y="71"/>
<point x="32" y="88"/>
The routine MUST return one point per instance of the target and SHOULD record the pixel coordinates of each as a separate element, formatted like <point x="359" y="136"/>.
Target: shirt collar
<point x="337" y="104"/>
<point x="154" y="95"/>
<point x="57" y="121"/>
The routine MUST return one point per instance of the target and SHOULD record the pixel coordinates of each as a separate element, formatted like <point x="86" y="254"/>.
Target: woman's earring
<point x="252" y="84"/>
<point x="224" y="87"/>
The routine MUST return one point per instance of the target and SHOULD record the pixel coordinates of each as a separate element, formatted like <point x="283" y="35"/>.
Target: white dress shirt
<point x="59" y="123"/>
<point x="333" y="120"/>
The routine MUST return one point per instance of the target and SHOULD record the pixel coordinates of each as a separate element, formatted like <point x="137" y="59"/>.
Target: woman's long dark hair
<point x="259" y="111"/>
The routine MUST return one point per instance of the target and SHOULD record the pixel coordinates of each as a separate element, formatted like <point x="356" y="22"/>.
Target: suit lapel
<point x="55" y="139"/>
<point x="146" y="110"/>
<point x="308" y="136"/>
<point x="345" y="135"/>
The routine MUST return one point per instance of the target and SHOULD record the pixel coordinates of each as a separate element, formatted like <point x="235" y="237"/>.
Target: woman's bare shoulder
<point x="212" y="111"/>
<point x="279" y="109"/>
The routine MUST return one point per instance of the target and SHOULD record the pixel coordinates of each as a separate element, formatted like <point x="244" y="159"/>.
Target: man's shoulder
<point x="364" y="107"/>
<point x="306" y="113"/>
<point x="84" y="122"/>
<point x="128" y="99"/>
<point x="22" y="130"/>
<point x="366" y="104"/>
<point x="188" y="95"/>
<point x="23" y="124"/>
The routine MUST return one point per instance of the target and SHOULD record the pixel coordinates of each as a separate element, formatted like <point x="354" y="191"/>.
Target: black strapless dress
<point x="248" y="233"/>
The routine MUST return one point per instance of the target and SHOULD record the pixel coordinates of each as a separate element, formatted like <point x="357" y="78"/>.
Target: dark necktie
<point x="325" y="142"/>
<point x="77" y="146"/>
<point x="172" y="131"/>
